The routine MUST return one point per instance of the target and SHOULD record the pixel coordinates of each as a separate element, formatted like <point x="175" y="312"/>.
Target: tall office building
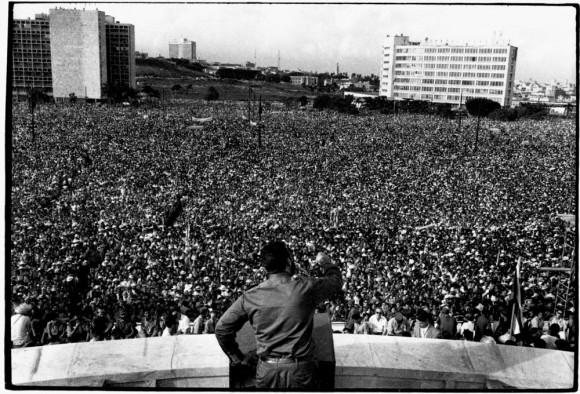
<point x="78" y="51"/>
<point x="120" y="52"/>
<point x="72" y="51"/>
<point x="182" y="49"/>
<point x="444" y="73"/>
<point x="31" y="64"/>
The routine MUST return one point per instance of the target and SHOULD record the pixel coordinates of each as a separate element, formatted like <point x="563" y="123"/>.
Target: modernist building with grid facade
<point x="31" y="66"/>
<point x="444" y="73"/>
<point x="72" y="51"/>
<point x="182" y="49"/>
<point x="120" y="52"/>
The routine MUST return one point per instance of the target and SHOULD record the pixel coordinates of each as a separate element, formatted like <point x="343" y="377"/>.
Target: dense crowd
<point x="129" y="222"/>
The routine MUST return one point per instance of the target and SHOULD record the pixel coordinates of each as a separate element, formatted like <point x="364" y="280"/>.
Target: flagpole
<point x="516" y="299"/>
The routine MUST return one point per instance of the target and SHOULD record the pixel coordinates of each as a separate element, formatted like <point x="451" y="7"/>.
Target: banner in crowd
<point x="202" y="120"/>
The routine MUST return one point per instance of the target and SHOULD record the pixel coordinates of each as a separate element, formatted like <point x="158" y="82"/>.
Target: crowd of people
<point x="130" y="222"/>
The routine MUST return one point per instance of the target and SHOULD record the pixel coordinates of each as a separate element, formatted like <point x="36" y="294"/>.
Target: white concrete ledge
<point x="178" y="361"/>
<point x="362" y="362"/>
<point x="395" y="362"/>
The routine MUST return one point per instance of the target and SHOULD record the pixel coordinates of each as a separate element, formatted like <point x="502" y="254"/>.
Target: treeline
<point x="481" y="107"/>
<point x="335" y="103"/>
<point x="234" y="73"/>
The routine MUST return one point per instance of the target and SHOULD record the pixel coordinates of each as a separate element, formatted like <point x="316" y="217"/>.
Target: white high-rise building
<point x="447" y="73"/>
<point x="183" y="49"/>
<point x="78" y="53"/>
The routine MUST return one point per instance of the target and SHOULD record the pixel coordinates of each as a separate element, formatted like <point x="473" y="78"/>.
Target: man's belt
<point x="286" y="360"/>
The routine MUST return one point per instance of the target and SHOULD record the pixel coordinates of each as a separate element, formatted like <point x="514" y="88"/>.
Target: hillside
<point x="163" y="75"/>
<point x="159" y="68"/>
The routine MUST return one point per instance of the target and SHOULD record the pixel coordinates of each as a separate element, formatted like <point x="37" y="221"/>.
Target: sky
<point x="315" y="37"/>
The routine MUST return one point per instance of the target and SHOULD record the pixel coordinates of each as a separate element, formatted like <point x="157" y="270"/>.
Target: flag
<point x="172" y="215"/>
<point x="515" y="301"/>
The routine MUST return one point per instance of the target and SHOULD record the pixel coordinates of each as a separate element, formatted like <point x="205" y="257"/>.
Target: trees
<point x="532" y="110"/>
<point x="303" y="100"/>
<point x="504" y="115"/>
<point x="212" y="94"/>
<point x="561" y="93"/>
<point x="480" y="107"/>
<point x="234" y="73"/>
<point x="335" y="103"/>
<point x="118" y="92"/>
<point x="150" y="91"/>
<point x="176" y="87"/>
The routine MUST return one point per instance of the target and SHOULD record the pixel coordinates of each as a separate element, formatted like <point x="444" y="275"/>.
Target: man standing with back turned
<point x="281" y="312"/>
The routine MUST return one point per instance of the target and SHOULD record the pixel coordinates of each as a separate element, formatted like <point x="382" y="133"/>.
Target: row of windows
<point x="452" y="66"/>
<point x="447" y="90"/>
<point x="31" y="67"/>
<point x="21" y="52"/>
<point x="455" y="74"/>
<point x="440" y="97"/>
<point x="28" y="78"/>
<point x="28" y="70"/>
<point x="27" y="41"/>
<point x="31" y="26"/>
<point x="451" y="50"/>
<point x="427" y="81"/>
<point x="497" y="59"/>
<point x="30" y="60"/>
<point x="421" y="73"/>
<point x="36" y="36"/>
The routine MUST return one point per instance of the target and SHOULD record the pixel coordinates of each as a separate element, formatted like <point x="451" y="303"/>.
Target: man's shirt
<point x="20" y="328"/>
<point x="397" y="328"/>
<point x="281" y="312"/>
<point x="184" y="324"/>
<point x="378" y="325"/>
<point x="198" y="325"/>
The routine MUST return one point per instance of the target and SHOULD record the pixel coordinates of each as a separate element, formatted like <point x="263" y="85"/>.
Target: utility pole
<point x="249" y="102"/>
<point x="260" y="124"/>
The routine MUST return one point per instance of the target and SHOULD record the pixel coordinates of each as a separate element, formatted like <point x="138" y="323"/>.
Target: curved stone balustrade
<point x="375" y="362"/>
<point x="362" y="362"/>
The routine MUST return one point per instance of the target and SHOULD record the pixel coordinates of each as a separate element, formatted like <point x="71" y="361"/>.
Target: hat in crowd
<point x="479" y="307"/>
<point x="445" y="309"/>
<point x="222" y="288"/>
<point x="23" y="309"/>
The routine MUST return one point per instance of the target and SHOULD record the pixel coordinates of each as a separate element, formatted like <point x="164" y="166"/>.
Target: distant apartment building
<point x="120" y="52"/>
<point x="304" y="80"/>
<point x="182" y="49"/>
<point x="440" y="72"/>
<point x="31" y="65"/>
<point x="141" y="55"/>
<point x="78" y="52"/>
